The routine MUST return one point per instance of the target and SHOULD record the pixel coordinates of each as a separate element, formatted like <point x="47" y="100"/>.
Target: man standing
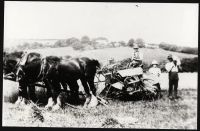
<point x="137" y="57"/>
<point x="172" y="68"/>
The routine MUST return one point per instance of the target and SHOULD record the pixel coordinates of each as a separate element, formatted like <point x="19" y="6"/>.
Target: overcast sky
<point x="172" y="23"/>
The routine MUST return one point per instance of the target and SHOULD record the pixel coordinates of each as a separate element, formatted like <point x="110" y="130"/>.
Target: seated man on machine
<point x="136" y="60"/>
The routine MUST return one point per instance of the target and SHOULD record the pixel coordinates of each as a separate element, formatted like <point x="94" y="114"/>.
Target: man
<point x="137" y="57"/>
<point x="172" y="67"/>
<point x="156" y="72"/>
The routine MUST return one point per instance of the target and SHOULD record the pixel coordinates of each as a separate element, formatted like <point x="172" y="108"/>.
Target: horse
<point x="29" y="71"/>
<point x="69" y="71"/>
<point x="10" y="61"/>
<point x="10" y="69"/>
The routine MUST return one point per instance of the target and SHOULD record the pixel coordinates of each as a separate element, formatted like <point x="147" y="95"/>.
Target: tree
<point x="59" y="43"/>
<point x="36" y="45"/>
<point x="189" y="64"/>
<point x="78" y="46"/>
<point x="140" y="42"/>
<point x="122" y="43"/>
<point x="85" y="40"/>
<point x="71" y="41"/>
<point x="131" y="42"/>
<point x="112" y="43"/>
<point x="94" y="44"/>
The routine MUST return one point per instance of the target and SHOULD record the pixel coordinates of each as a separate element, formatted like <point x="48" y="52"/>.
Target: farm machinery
<point x="118" y="82"/>
<point x="126" y="83"/>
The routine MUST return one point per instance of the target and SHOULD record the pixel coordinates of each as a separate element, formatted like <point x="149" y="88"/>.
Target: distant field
<point x="120" y="53"/>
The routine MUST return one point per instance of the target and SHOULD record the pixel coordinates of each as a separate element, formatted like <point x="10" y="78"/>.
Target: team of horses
<point x="55" y="72"/>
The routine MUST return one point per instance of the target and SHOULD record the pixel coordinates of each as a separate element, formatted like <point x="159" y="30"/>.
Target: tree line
<point x="181" y="49"/>
<point x="85" y="43"/>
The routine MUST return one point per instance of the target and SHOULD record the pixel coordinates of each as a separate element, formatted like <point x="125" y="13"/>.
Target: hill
<point x="120" y="53"/>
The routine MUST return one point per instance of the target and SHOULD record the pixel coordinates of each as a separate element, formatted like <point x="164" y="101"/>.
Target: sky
<point x="174" y="23"/>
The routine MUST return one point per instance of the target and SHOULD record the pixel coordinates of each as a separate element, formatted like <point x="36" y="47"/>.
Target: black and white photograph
<point x="123" y="65"/>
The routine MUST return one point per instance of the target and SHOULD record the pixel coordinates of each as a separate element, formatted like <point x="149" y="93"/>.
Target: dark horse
<point x="69" y="71"/>
<point x="10" y="61"/>
<point x="29" y="72"/>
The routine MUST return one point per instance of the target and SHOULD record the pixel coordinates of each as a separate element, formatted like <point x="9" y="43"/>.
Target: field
<point x="162" y="113"/>
<point x="120" y="53"/>
<point x="159" y="114"/>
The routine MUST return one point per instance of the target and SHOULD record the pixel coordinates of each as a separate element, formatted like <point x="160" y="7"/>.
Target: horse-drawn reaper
<point x="127" y="82"/>
<point x="54" y="72"/>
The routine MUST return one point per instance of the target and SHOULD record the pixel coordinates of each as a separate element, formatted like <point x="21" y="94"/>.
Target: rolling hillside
<point x="120" y="53"/>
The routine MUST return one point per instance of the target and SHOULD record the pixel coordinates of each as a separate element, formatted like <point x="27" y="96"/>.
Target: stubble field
<point x="161" y="113"/>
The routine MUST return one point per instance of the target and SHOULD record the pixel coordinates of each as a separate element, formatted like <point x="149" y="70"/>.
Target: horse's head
<point x="48" y="63"/>
<point x="26" y="59"/>
<point x="44" y="66"/>
<point x="33" y="57"/>
<point x="10" y="61"/>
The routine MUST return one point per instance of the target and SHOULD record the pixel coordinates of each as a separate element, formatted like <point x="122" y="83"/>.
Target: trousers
<point x="173" y="87"/>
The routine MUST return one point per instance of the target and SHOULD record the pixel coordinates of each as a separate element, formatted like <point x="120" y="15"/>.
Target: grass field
<point x="120" y="53"/>
<point x="162" y="113"/>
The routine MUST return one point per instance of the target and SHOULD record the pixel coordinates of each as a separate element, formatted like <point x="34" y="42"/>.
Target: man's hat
<point x="169" y="56"/>
<point x="135" y="46"/>
<point x="154" y="62"/>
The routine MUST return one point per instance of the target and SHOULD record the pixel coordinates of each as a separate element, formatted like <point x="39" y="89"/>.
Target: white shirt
<point x="155" y="73"/>
<point x="137" y="55"/>
<point x="171" y="67"/>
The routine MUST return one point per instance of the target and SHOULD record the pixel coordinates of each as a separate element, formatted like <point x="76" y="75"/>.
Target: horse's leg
<point x="64" y="85"/>
<point x="31" y="93"/>
<point x="56" y="95"/>
<point x="91" y="84"/>
<point x="87" y="91"/>
<point x="56" y="89"/>
<point x="23" y="95"/>
<point x="49" y="87"/>
<point x="86" y="87"/>
<point x="73" y="85"/>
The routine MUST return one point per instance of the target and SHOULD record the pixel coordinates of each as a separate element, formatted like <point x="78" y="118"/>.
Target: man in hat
<point x="137" y="57"/>
<point x="172" y="67"/>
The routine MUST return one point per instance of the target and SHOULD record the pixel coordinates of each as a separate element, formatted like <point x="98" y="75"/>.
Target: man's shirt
<point x="155" y="72"/>
<point x="137" y="55"/>
<point x="171" y="67"/>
